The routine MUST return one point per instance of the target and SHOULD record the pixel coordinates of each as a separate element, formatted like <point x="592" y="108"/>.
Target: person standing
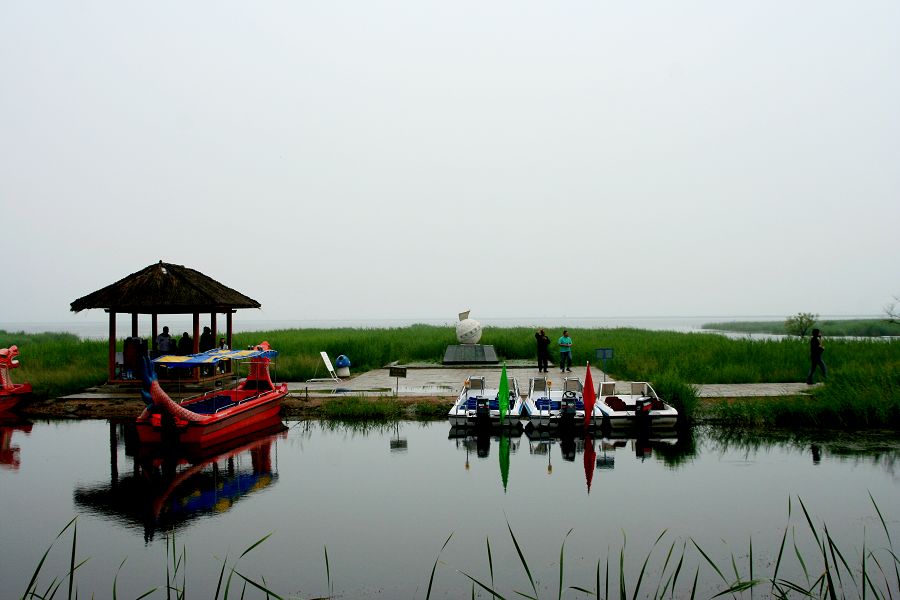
<point x="185" y="344"/>
<point x="543" y="350"/>
<point x="164" y="342"/>
<point x="565" y="352"/>
<point x="816" y="349"/>
<point x="207" y="340"/>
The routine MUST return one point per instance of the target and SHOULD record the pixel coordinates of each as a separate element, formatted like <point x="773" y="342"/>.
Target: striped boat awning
<point x="211" y="357"/>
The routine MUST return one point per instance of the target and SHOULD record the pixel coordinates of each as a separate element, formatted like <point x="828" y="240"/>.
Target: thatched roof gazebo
<point x="164" y="289"/>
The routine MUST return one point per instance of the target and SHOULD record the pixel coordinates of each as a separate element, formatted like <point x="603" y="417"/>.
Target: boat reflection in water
<point x="9" y="454"/>
<point x="168" y="490"/>
<point x="666" y="444"/>
<point x="479" y="439"/>
<point x="576" y="445"/>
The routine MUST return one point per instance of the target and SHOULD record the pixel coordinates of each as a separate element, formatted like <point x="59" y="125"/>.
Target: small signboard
<point x="604" y="354"/>
<point x="397" y="372"/>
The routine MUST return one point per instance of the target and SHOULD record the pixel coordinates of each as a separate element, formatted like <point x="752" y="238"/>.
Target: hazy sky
<point x="411" y="159"/>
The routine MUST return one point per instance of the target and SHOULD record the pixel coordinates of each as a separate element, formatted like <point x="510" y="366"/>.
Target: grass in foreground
<point x="817" y="566"/>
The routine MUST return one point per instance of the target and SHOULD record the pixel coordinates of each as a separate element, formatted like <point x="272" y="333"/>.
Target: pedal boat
<point x="641" y="408"/>
<point x="217" y="415"/>
<point x="549" y="409"/>
<point x="11" y="394"/>
<point x="478" y="406"/>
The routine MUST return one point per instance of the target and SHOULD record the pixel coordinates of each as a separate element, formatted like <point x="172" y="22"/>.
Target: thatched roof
<point x="165" y="288"/>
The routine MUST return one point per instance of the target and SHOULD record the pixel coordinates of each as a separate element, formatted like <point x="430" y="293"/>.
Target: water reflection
<point x="9" y="453"/>
<point x="670" y="446"/>
<point x="880" y="448"/>
<point x="168" y="490"/>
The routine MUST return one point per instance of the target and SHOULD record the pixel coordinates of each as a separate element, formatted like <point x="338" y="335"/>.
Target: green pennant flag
<point x="503" y="395"/>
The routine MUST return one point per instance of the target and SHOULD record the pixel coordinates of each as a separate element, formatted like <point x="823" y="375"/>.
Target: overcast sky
<point x="411" y="159"/>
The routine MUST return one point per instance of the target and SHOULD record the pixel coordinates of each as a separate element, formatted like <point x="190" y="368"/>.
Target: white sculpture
<point x="468" y="331"/>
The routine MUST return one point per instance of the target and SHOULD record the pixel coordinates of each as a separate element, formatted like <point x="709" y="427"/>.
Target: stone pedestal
<point x="470" y="354"/>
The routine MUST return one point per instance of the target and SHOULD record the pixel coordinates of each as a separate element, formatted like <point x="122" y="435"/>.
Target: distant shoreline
<point x="98" y="329"/>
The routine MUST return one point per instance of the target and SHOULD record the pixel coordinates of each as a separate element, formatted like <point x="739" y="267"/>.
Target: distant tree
<point x="800" y="323"/>
<point x="892" y="311"/>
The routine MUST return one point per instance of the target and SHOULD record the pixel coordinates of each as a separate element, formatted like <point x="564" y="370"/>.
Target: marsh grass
<point x="809" y="563"/>
<point x="852" y="402"/>
<point x="363" y="409"/>
<point x="57" y="364"/>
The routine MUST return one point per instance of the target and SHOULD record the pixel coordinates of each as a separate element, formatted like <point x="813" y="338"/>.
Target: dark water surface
<point x="383" y="499"/>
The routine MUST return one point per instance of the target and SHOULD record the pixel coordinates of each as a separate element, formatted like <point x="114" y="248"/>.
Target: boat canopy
<point x="210" y="357"/>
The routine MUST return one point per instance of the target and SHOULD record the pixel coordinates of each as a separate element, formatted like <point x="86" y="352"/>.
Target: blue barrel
<point x="342" y="366"/>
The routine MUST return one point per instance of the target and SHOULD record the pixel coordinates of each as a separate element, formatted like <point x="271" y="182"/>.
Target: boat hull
<point x="12" y="396"/>
<point x="619" y="419"/>
<point x="245" y="419"/>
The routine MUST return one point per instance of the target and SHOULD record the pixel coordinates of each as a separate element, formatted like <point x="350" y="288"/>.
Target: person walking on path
<point x="543" y="350"/>
<point x="565" y="352"/>
<point x="816" y="349"/>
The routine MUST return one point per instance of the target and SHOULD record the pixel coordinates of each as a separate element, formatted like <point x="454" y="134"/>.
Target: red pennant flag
<point x="589" y="395"/>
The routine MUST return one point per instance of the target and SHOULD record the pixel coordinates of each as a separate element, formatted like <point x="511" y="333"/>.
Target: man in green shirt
<point x="565" y="352"/>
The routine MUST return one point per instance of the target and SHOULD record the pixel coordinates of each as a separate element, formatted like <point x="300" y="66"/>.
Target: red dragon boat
<point x="11" y="394"/>
<point x="217" y="415"/>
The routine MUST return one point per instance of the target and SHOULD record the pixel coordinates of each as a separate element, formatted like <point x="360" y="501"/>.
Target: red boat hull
<point x="12" y="396"/>
<point x="245" y="418"/>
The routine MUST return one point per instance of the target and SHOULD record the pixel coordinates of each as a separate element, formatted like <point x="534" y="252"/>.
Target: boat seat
<point x="544" y="403"/>
<point x="615" y="403"/>
<point x="211" y="405"/>
<point x="657" y="404"/>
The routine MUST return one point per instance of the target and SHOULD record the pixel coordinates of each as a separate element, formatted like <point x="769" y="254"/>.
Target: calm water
<point x="383" y="500"/>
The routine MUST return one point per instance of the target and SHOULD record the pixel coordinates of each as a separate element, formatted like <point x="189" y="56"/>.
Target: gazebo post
<point x="154" y="326"/>
<point x="228" y="334"/>
<point x="134" y="324"/>
<point x="112" y="344"/>
<point x="215" y="330"/>
<point x="196" y="343"/>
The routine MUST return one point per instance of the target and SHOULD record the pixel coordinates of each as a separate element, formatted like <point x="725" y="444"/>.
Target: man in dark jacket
<point x="816" y="349"/>
<point x="185" y="344"/>
<point x="543" y="350"/>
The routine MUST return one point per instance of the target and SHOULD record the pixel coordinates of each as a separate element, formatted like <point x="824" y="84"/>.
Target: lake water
<point x="383" y="499"/>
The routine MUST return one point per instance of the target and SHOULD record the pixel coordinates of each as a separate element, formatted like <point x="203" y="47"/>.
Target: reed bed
<point x="862" y="391"/>
<point x="57" y="363"/>
<point x="856" y="401"/>
<point x="808" y="563"/>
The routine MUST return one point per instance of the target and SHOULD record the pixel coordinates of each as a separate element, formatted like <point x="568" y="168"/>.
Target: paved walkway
<point x="448" y="381"/>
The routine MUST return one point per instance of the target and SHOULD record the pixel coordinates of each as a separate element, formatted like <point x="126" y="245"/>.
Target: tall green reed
<point x="815" y="566"/>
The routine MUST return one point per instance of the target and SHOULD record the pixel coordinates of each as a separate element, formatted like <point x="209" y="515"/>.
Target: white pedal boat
<point x="478" y="406"/>
<point x="641" y="407"/>
<point x="547" y="408"/>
